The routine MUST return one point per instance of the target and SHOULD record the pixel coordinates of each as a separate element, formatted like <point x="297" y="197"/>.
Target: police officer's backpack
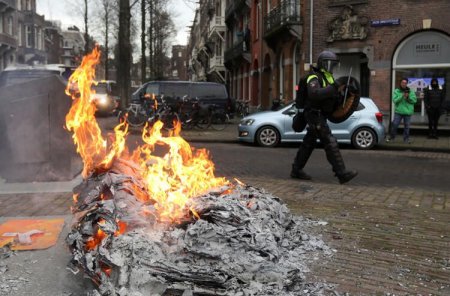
<point x="302" y="90"/>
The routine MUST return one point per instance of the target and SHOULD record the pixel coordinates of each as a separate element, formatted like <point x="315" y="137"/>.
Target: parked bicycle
<point x="242" y="108"/>
<point x="137" y="114"/>
<point x="203" y="116"/>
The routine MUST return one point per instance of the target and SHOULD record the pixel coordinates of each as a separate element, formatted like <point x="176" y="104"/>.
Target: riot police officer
<point x="323" y="94"/>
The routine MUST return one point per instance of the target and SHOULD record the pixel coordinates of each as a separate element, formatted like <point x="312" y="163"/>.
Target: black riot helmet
<point x="327" y="60"/>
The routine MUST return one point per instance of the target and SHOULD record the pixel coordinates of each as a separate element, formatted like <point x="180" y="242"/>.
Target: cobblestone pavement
<point x="387" y="240"/>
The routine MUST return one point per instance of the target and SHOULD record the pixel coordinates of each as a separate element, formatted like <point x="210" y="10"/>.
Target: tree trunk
<point x="143" y="58"/>
<point x="86" y="33"/>
<point x="124" y="52"/>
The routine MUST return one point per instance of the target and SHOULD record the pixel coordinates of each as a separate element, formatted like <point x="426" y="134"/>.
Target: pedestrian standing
<point x="434" y="100"/>
<point x="404" y="100"/>
<point x="322" y="96"/>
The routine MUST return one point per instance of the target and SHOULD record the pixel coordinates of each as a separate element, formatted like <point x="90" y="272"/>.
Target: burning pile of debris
<point x="150" y="224"/>
<point x="233" y="240"/>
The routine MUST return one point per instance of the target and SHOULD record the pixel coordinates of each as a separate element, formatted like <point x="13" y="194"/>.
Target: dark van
<point x="173" y="91"/>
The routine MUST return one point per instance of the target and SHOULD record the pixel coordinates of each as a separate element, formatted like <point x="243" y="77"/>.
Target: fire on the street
<point x="169" y="180"/>
<point x="146" y="224"/>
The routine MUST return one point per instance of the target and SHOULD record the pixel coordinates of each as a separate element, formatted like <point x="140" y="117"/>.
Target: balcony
<point x="216" y="27"/>
<point x="236" y="7"/>
<point x="216" y="63"/>
<point x="283" y="22"/>
<point x="6" y="5"/>
<point x="237" y="54"/>
<point x="216" y="71"/>
<point x="7" y="40"/>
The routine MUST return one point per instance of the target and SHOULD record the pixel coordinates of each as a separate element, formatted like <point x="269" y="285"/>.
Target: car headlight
<point x="248" y="121"/>
<point x="102" y="101"/>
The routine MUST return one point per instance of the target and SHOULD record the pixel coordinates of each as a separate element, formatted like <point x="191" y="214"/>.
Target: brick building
<point x="178" y="63"/>
<point x="271" y="43"/>
<point x="382" y="45"/>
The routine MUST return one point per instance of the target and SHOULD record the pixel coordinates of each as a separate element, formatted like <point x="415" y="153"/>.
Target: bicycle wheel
<point x="186" y="121"/>
<point x="202" y="123"/>
<point x="136" y="116"/>
<point x="169" y="120"/>
<point x="219" y="121"/>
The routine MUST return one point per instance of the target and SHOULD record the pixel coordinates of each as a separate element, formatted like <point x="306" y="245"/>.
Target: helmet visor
<point x="330" y="65"/>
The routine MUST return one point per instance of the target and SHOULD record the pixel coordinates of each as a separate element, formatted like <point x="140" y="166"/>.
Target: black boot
<point x="298" y="173"/>
<point x="337" y="162"/>
<point x="346" y="176"/>
<point x="303" y="154"/>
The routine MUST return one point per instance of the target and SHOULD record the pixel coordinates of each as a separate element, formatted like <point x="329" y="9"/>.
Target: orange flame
<point x="170" y="180"/>
<point x="81" y="119"/>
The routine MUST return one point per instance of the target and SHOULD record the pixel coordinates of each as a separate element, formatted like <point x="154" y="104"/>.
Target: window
<point x="152" y="89"/>
<point x="258" y="20"/>
<point x="175" y="73"/>
<point x="38" y="38"/>
<point x="1" y="22"/>
<point x="29" y="37"/>
<point x="10" y="25"/>
<point x="174" y="63"/>
<point x="19" y="5"/>
<point x="20" y="34"/>
<point x="28" y="4"/>
<point x="180" y="54"/>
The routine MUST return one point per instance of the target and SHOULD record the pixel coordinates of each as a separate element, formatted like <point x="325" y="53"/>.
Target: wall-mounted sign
<point x="346" y="2"/>
<point x="388" y="22"/>
<point x="427" y="48"/>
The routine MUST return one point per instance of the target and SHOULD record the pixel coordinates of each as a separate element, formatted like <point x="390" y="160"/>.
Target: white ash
<point x="246" y="242"/>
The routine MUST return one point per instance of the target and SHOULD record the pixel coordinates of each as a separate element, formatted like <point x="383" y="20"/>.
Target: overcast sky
<point x="63" y="11"/>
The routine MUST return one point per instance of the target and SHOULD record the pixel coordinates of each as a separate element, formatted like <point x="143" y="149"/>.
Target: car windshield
<point x="209" y="91"/>
<point x="100" y="88"/>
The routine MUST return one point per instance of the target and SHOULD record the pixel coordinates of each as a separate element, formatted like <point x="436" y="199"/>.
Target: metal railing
<point x="287" y="13"/>
<point x="237" y="50"/>
<point x="216" y="62"/>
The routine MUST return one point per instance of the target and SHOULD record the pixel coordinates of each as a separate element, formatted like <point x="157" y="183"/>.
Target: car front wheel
<point x="364" y="138"/>
<point x="268" y="136"/>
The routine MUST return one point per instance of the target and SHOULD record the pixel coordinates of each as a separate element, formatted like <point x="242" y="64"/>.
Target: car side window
<point x="114" y="89"/>
<point x="152" y="88"/>
<point x="360" y="107"/>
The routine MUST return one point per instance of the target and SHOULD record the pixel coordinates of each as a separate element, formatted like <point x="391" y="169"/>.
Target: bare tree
<point x="82" y="9"/>
<point x="143" y="47"/>
<point x="161" y="29"/>
<point x="86" y="33"/>
<point x="124" y="52"/>
<point x="107" y="16"/>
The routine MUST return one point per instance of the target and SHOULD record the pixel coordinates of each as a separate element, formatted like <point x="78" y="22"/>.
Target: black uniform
<point x="322" y="99"/>
<point x="434" y="99"/>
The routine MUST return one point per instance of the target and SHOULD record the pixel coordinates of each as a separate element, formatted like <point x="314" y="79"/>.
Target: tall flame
<point x="170" y="180"/>
<point x="81" y="119"/>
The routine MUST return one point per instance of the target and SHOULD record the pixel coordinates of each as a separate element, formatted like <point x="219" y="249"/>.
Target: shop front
<point x="419" y="58"/>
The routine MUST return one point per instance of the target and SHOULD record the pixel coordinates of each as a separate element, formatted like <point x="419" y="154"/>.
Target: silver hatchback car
<point x="363" y="129"/>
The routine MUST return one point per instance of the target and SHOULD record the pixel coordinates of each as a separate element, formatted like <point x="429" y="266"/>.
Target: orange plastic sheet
<point x="51" y="229"/>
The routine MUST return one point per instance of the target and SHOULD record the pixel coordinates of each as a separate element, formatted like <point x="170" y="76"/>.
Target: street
<point x="388" y="226"/>
<point x="405" y="169"/>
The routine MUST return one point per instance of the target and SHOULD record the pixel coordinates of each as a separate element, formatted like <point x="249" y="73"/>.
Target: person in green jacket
<point x="404" y="100"/>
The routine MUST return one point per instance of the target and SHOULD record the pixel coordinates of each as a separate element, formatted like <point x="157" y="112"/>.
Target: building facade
<point x="178" y="63"/>
<point x="8" y="41"/>
<point x="381" y="46"/>
<point x="73" y="46"/>
<point x="30" y="34"/>
<point x="270" y="44"/>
